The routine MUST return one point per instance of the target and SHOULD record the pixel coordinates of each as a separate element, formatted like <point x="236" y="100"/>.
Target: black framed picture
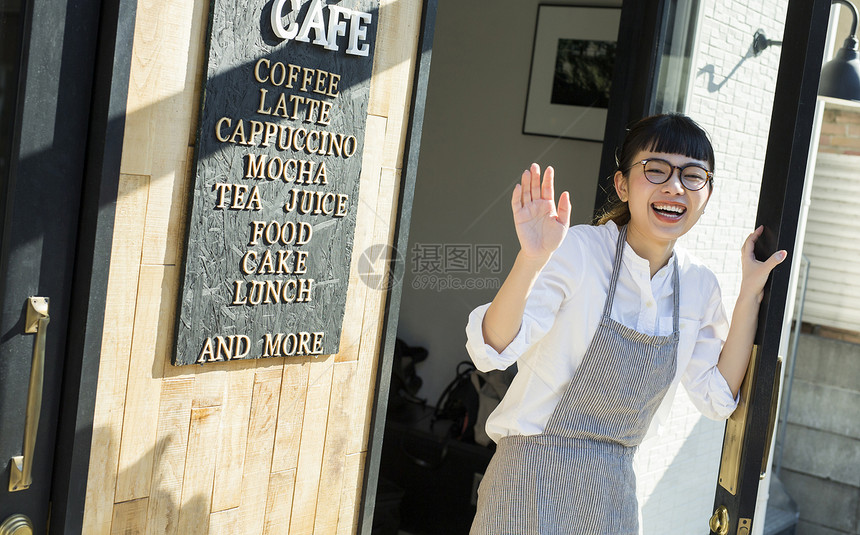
<point x="571" y="71"/>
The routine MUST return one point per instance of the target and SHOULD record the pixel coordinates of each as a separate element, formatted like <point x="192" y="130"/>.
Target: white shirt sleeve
<point x="555" y="283"/>
<point x="706" y="386"/>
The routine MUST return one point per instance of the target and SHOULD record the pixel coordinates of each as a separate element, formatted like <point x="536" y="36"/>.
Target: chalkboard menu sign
<point x="276" y="176"/>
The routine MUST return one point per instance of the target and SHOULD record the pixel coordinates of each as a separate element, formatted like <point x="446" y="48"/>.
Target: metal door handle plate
<point x="20" y="474"/>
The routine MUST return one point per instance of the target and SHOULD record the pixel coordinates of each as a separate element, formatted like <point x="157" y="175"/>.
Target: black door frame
<point x="95" y="58"/>
<point x="634" y="81"/>
<point x="116" y="24"/>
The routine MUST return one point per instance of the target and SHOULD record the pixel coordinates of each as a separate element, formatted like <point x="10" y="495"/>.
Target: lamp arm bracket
<point x="854" y="16"/>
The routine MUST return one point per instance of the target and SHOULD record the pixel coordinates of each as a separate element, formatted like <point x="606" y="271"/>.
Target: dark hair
<point x="668" y="132"/>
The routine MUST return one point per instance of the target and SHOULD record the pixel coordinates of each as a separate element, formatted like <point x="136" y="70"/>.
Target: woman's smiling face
<point x="661" y="212"/>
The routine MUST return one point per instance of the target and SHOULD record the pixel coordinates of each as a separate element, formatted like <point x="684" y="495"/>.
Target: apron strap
<point x="676" y="294"/>
<point x="616" y="269"/>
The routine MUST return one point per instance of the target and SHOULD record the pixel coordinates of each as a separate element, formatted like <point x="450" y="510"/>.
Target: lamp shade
<point x="840" y="77"/>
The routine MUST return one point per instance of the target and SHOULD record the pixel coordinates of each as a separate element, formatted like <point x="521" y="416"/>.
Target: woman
<point x="604" y="321"/>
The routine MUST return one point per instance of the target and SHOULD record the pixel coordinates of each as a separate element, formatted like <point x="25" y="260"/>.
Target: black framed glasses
<point x="657" y="170"/>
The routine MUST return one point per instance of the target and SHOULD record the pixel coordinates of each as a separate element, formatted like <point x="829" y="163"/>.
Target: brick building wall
<point x="840" y="130"/>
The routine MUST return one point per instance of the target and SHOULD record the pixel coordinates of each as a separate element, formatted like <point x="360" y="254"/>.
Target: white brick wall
<point x="677" y="471"/>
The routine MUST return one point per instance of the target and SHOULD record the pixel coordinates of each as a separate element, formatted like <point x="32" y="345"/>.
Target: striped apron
<point x="577" y="476"/>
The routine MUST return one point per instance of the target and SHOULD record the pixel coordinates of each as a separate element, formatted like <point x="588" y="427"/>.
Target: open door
<point x="745" y="460"/>
<point x="641" y="87"/>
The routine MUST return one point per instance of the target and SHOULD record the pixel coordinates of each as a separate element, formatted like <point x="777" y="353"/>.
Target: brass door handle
<point x="719" y="523"/>
<point x="16" y="525"/>
<point x="20" y="475"/>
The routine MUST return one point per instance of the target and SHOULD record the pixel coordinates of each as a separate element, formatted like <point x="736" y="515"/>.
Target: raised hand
<point x="540" y="228"/>
<point x="755" y="273"/>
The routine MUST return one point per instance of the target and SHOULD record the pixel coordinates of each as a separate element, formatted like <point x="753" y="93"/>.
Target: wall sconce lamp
<point x="840" y="77"/>
<point x="761" y="42"/>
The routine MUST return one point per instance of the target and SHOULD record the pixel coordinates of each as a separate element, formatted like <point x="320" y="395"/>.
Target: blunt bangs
<point x="670" y="133"/>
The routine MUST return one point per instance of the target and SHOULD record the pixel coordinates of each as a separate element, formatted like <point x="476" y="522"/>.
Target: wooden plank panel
<point x="391" y="86"/>
<point x="366" y="375"/>
<point x="819" y="315"/>
<point x="176" y="50"/>
<point x="397" y="29"/>
<point x="258" y="452"/>
<point x="836" y="188"/>
<point x="197" y="72"/>
<point x="210" y="385"/>
<point x="167" y="41"/>
<point x="139" y="127"/>
<point x="291" y="412"/>
<point x="183" y="65"/>
<point x="353" y="475"/>
<point x="174" y="416"/>
<point x="129" y="518"/>
<point x="311" y="449"/>
<point x="152" y="315"/>
<point x="116" y="350"/>
<point x="157" y="30"/>
<point x="833" y="294"/>
<point x="374" y="312"/>
<point x="166" y="52"/>
<point x="340" y="416"/>
<point x="819" y="310"/>
<point x="172" y="47"/>
<point x="226" y="522"/>
<point x="230" y="460"/>
<point x="199" y="471"/>
<point x="398" y="120"/>
<point x="137" y="136"/>
<point x="371" y="170"/>
<point x="164" y="234"/>
<point x="846" y="229"/>
<point x="279" y="503"/>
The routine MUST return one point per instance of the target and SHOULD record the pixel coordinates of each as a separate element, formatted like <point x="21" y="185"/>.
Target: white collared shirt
<point x="562" y="313"/>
